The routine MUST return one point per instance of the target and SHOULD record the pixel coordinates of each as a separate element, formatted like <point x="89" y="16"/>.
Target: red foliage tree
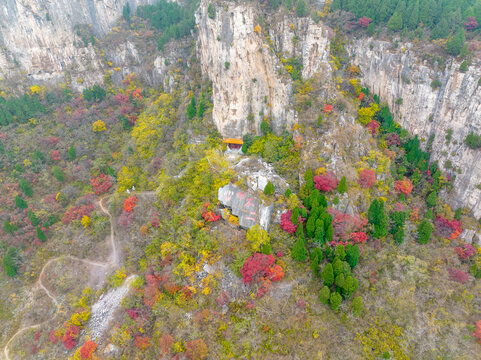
<point x="403" y="186"/>
<point x="393" y="140"/>
<point x="358" y="237"/>
<point x="276" y="273"/>
<point x="130" y="203"/>
<point x="477" y="331"/>
<point x="77" y="212"/>
<point x="256" y="266"/>
<point x="142" y="342"/>
<point x="345" y="224"/>
<point x="458" y="275"/>
<point x="472" y="24"/>
<point x="207" y="214"/>
<point x="101" y="183"/>
<point x="196" y="349"/>
<point x="446" y="228"/>
<point x="326" y="182"/>
<point x="328" y="109"/>
<point x="364" y="22"/>
<point x="465" y="251"/>
<point x="132" y="313"/>
<point x="55" y="155"/>
<point x="87" y="350"/>
<point x="70" y="337"/>
<point x="361" y="96"/>
<point x="367" y="178"/>
<point x="166" y="342"/>
<point x="286" y="222"/>
<point x="53" y="337"/>
<point x="373" y="126"/>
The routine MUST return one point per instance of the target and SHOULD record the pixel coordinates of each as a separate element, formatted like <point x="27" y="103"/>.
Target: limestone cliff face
<point x="244" y="73"/>
<point x="455" y="106"/>
<point x="38" y="40"/>
<point x="247" y="76"/>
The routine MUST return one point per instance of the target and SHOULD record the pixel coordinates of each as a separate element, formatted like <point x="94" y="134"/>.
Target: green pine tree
<point x="356" y="306"/>
<point x="316" y="258"/>
<point x="373" y="211"/>
<point x="352" y="255"/>
<point x="454" y="46"/>
<point x="191" y="109"/>
<point x="311" y="226"/>
<point x="33" y="218"/>
<point x="342" y="187"/>
<point x="381" y="226"/>
<point x="269" y="189"/>
<point x="324" y="295"/>
<point x="41" y="235"/>
<point x="299" y="251"/>
<point x="58" y="174"/>
<point x="10" y="262"/>
<point x="425" y="230"/>
<point x="327" y="275"/>
<point x="335" y="300"/>
<point x="72" y="153"/>
<point x="371" y="29"/>
<point x="295" y="215"/>
<point x="25" y="186"/>
<point x="432" y="199"/>
<point x="20" y="203"/>
<point x="395" y="23"/>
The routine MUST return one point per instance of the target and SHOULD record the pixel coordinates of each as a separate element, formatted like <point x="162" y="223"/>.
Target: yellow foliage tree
<point x="99" y="126"/>
<point x="257" y="29"/>
<point x="86" y="221"/>
<point x="366" y="113"/>
<point x="257" y="237"/>
<point x="149" y="128"/>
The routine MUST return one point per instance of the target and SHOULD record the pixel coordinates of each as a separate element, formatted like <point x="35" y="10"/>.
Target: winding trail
<point x="112" y="262"/>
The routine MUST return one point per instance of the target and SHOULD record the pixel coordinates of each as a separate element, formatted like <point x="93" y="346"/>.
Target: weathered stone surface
<point x="37" y="37"/>
<point x="246" y="206"/>
<point x="456" y="105"/>
<point x="258" y="173"/>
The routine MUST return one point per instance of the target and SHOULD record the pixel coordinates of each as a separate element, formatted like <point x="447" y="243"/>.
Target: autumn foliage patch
<point x="465" y="251"/>
<point x="286" y="222"/>
<point x="367" y="178"/>
<point x="326" y="182"/>
<point x="458" y="275"/>
<point x="88" y="349"/>
<point x="403" y="186"/>
<point x="130" y="203"/>
<point x="101" y="183"/>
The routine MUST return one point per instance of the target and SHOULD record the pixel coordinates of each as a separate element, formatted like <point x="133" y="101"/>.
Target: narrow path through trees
<point x="113" y="260"/>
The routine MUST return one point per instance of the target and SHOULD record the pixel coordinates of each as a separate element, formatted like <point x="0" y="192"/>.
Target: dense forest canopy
<point x="173" y="20"/>
<point x="441" y="16"/>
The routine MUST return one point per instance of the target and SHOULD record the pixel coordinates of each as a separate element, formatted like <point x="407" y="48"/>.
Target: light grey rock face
<point x="246" y="206"/>
<point x="456" y="106"/>
<point x="244" y="72"/>
<point x="37" y="37"/>
<point x="258" y="173"/>
<point x="248" y="79"/>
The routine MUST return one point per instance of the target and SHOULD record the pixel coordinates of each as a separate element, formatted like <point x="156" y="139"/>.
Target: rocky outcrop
<point x="403" y="80"/>
<point x="245" y="205"/>
<point x="248" y="78"/>
<point x="38" y="40"/>
<point x="244" y="72"/>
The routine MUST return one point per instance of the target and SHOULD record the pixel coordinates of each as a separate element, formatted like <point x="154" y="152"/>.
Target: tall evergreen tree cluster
<point x="173" y="20"/>
<point x="444" y="18"/>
